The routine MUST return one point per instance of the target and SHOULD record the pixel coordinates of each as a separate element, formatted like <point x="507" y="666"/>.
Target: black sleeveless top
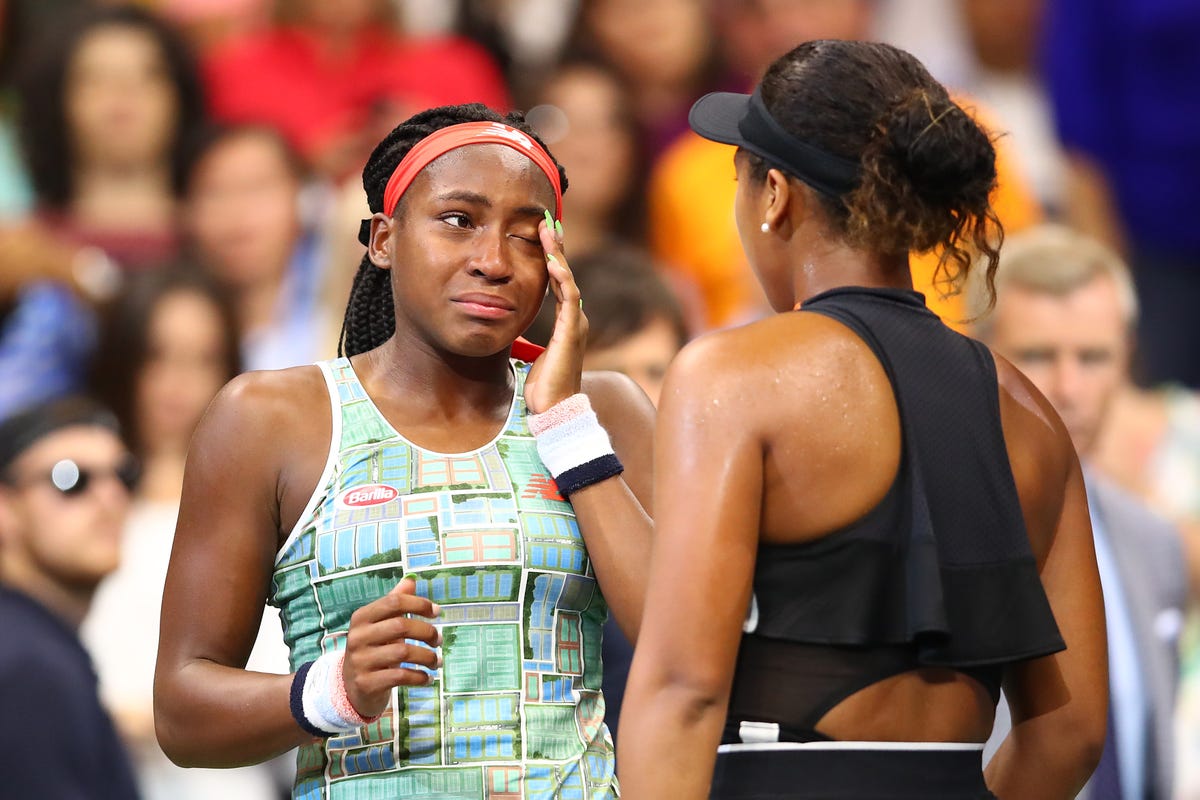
<point x="939" y="574"/>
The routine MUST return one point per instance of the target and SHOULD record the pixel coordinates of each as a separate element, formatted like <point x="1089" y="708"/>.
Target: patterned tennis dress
<point x="515" y="711"/>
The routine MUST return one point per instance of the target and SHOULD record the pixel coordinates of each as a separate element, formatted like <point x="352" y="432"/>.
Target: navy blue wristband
<point x="296" y="702"/>
<point x="594" y="471"/>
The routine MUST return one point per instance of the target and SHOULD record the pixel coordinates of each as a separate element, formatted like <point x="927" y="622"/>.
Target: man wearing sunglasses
<point x="65" y="480"/>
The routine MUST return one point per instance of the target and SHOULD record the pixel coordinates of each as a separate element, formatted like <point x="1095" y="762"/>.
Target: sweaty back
<point x="939" y="574"/>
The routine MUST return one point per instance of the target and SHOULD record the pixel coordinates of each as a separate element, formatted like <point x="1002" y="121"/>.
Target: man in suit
<point x="1065" y="311"/>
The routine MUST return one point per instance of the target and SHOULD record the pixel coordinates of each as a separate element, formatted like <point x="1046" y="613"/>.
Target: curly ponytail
<point x="928" y="172"/>
<point x="927" y="167"/>
<point x="371" y="312"/>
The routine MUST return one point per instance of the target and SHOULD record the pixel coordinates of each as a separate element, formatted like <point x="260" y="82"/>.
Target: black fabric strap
<point x="829" y="174"/>
<point x="586" y="474"/>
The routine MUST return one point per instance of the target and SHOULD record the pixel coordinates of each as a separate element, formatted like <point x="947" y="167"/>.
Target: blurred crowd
<point x="180" y="199"/>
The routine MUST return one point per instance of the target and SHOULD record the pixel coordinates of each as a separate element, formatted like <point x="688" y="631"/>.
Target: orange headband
<point x="444" y="140"/>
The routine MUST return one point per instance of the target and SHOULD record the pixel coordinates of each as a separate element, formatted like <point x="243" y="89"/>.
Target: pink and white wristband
<point x="319" y="702"/>
<point x="574" y="445"/>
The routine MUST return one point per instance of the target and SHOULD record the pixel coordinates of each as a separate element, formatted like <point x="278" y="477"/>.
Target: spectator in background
<point x="334" y="77"/>
<point x="209" y="23"/>
<point x="1003" y="72"/>
<point x="65" y="480"/>
<point x="663" y="49"/>
<point x="105" y="102"/>
<point x="105" y="107"/>
<point x="1065" y="308"/>
<point x="1122" y="76"/>
<point x="16" y="196"/>
<point x="585" y="112"/>
<point x="636" y="324"/>
<point x="167" y="345"/>
<point x="243" y="224"/>
<point x="692" y="186"/>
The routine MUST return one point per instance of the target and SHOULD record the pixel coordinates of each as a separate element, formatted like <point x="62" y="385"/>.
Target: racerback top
<point x="939" y="574"/>
<point x="515" y="711"/>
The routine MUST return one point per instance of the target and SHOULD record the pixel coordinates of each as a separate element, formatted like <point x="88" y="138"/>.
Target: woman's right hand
<point x="557" y="373"/>
<point x="377" y="644"/>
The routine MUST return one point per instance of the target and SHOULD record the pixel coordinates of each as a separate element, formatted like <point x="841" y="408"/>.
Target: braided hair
<point x="371" y="315"/>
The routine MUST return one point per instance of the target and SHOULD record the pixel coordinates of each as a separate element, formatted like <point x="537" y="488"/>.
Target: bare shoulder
<point x="1030" y="421"/>
<point x="614" y="390"/>
<point x="622" y="408"/>
<point x="807" y="353"/>
<point x="266" y="402"/>
<point x="264" y="440"/>
<point x="1040" y="453"/>
<point x="264" y="419"/>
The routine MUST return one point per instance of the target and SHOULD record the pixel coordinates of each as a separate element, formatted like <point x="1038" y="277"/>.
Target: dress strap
<point x="361" y="421"/>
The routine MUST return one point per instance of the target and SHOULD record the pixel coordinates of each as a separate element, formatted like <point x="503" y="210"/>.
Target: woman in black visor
<point x="870" y="523"/>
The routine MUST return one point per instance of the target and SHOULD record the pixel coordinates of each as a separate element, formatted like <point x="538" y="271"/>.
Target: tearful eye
<point x="531" y="238"/>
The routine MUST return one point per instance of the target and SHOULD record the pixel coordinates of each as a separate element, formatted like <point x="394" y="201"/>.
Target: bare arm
<point x="700" y="582"/>
<point x="612" y="513"/>
<point x="1059" y="703"/>
<point x="209" y="710"/>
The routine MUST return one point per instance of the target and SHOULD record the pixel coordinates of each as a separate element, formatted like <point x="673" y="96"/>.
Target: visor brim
<point x="718" y="115"/>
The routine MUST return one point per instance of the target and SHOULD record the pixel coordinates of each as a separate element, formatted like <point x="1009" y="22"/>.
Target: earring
<point x="765" y="227"/>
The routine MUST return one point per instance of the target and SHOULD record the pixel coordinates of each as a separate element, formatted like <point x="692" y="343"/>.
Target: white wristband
<point x="319" y="701"/>
<point x="574" y="445"/>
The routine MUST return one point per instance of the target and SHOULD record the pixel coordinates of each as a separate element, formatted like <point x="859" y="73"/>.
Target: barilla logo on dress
<point x="372" y="494"/>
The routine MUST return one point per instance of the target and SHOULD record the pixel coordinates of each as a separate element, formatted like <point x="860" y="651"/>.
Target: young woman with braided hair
<point x="869" y="522"/>
<point x="433" y="544"/>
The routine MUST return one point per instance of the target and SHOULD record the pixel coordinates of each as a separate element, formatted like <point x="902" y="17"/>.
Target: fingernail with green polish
<point x="549" y="220"/>
<point x="551" y="259"/>
<point x="558" y="226"/>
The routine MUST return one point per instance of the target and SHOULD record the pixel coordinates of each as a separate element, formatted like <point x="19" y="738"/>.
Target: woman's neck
<point x="123" y="199"/>
<point x="827" y="267"/>
<point x="457" y="386"/>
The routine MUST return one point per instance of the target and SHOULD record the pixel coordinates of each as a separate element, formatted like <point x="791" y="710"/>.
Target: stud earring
<point x="765" y="227"/>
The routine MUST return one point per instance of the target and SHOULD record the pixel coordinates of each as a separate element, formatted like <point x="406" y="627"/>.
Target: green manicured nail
<point x="558" y="227"/>
<point x="551" y="259"/>
<point x="549" y="220"/>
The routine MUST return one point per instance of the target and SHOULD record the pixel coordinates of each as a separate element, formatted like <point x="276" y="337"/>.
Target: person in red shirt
<point x="334" y="77"/>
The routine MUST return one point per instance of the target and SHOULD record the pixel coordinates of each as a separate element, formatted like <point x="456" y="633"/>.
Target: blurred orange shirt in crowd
<point x="692" y="229"/>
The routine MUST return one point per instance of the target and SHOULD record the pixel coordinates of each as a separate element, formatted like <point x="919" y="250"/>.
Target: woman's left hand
<point x="558" y="373"/>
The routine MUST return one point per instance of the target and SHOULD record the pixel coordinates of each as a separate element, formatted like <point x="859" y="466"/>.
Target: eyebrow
<point x="475" y="198"/>
<point x="464" y="196"/>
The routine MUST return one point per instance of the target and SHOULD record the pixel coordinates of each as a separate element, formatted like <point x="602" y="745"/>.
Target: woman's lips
<point x="485" y="306"/>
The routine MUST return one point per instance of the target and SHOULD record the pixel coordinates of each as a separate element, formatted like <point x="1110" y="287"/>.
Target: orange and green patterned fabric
<point x="515" y="712"/>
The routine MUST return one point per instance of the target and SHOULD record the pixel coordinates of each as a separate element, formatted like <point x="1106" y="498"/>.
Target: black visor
<point x="743" y="120"/>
